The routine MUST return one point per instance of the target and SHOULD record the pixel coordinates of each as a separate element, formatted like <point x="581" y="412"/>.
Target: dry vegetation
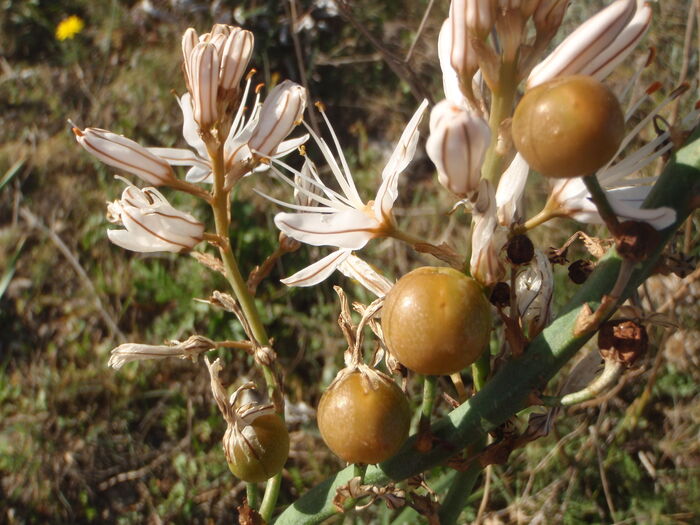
<point x="80" y="442"/>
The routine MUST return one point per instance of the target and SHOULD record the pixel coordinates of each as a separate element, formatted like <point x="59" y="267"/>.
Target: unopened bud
<point x="548" y="15"/>
<point x="280" y="113"/>
<point x="623" y="341"/>
<point x="476" y="16"/>
<point x="203" y="71"/>
<point x="457" y="145"/>
<point x="235" y="55"/>
<point x="119" y="152"/>
<point x="520" y="249"/>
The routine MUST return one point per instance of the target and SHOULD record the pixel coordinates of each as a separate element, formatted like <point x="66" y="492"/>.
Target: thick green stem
<point x="269" y="502"/>
<point x="508" y="391"/>
<point x="601" y="202"/>
<point x="460" y="489"/>
<point x="501" y="109"/>
<point x="481" y="370"/>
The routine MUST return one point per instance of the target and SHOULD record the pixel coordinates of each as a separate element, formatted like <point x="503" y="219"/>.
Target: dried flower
<point x="189" y="349"/>
<point x="151" y="224"/>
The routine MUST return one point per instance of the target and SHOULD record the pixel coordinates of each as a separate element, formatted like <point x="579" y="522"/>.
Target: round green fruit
<point x="436" y="320"/>
<point x="364" y="419"/>
<point x="260" y="450"/>
<point x="568" y="127"/>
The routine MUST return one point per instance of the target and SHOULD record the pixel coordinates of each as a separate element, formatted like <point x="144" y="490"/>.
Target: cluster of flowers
<point x="214" y="65"/>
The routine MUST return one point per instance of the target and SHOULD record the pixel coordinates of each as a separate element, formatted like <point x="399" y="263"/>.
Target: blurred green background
<point x="82" y="443"/>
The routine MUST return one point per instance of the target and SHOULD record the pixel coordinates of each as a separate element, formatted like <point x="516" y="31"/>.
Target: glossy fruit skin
<point x="269" y="453"/>
<point x="436" y="321"/>
<point x="362" y="424"/>
<point x="568" y="127"/>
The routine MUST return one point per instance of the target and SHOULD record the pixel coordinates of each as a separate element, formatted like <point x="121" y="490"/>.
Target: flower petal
<point x="318" y="271"/>
<point x="350" y="229"/>
<point x="400" y="158"/>
<point x="362" y="272"/>
<point x="510" y="191"/>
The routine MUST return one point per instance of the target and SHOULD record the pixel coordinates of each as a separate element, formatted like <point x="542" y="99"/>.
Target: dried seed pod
<point x="520" y="249"/>
<point x="363" y="417"/>
<point x="622" y="340"/>
<point x="635" y="240"/>
<point x="579" y="270"/>
<point x="500" y="295"/>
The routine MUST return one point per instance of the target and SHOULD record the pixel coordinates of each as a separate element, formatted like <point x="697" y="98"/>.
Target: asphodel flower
<point x="234" y="48"/>
<point x="151" y="224"/>
<point x="237" y="153"/>
<point x="203" y="80"/>
<point x="457" y="145"/>
<point x="281" y="112"/>
<point x="341" y="218"/>
<point x="120" y="152"/>
<point x="487" y="263"/>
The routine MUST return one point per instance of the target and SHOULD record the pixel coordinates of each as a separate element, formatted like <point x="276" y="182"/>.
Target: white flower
<point x="236" y="149"/>
<point x="457" y="145"/>
<point x="120" y="152"/>
<point x="342" y="219"/>
<point x="151" y="224"/>
<point x="488" y="238"/>
<point x="598" y="45"/>
<point x="281" y="112"/>
<point x="203" y="80"/>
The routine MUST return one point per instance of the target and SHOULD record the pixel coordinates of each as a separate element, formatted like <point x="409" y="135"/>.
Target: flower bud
<point x="280" y="113"/>
<point x="596" y="46"/>
<point x="151" y="224"/>
<point x="235" y="55"/>
<point x="548" y="16"/>
<point x="120" y="152"/>
<point x="476" y="17"/>
<point x="488" y="239"/>
<point x="203" y="82"/>
<point x="457" y="144"/>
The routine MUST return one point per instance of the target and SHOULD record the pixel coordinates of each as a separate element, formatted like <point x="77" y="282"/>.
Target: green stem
<point x="429" y="390"/>
<point x="459" y="492"/>
<point x="507" y="392"/>
<point x="601" y="201"/>
<point x="501" y="109"/>
<point x="481" y="370"/>
<point x="269" y="502"/>
<point x="220" y="205"/>
<point x="251" y="490"/>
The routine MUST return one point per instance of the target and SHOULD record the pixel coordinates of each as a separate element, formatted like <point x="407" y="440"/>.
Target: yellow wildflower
<point x="69" y="27"/>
